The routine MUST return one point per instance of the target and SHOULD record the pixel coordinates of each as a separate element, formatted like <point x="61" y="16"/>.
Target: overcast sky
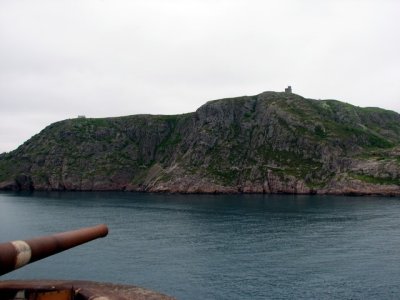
<point x="64" y="58"/>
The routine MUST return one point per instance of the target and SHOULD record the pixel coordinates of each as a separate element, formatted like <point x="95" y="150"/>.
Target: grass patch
<point x="290" y="163"/>
<point x="377" y="180"/>
<point x="226" y="176"/>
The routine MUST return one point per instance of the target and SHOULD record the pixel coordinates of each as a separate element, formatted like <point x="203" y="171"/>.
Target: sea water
<point x="218" y="246"/>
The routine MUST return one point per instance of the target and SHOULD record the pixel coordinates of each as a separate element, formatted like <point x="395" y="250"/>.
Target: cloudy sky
<point x="64" y="58"/>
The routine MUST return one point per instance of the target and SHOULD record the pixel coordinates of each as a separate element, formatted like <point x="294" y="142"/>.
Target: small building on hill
<point x="288" y="90"/>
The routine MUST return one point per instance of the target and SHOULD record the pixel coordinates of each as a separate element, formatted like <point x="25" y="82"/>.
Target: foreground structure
<point x="16" y="254"/>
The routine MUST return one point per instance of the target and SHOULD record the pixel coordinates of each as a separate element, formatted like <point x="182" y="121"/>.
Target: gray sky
<point x="63" y="58"/>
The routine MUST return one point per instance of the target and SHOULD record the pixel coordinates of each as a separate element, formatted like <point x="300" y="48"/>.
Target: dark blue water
<point x="219" y="247"/>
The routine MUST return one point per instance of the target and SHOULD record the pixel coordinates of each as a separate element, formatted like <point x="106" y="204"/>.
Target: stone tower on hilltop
<point x="288" y="90"/>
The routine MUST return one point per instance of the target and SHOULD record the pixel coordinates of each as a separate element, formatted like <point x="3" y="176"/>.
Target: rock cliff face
<point x="268" y="143"/>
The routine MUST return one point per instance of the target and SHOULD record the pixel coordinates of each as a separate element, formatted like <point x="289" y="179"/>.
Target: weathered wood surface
<point x="81" y="290"/>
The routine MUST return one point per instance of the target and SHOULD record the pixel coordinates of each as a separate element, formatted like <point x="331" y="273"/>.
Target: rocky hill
<point x="268" y="143"/>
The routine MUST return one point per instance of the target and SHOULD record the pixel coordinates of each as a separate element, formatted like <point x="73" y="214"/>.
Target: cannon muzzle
<point x="16" y="254"/>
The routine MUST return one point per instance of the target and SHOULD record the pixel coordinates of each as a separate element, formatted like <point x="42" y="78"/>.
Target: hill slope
<point x="268" y="143"/>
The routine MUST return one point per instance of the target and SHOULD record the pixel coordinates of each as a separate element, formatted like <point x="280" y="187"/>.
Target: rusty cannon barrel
<point x="16" y="254"/>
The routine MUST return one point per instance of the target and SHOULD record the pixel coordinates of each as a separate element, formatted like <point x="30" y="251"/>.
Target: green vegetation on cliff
<point x="271" y="143"/>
